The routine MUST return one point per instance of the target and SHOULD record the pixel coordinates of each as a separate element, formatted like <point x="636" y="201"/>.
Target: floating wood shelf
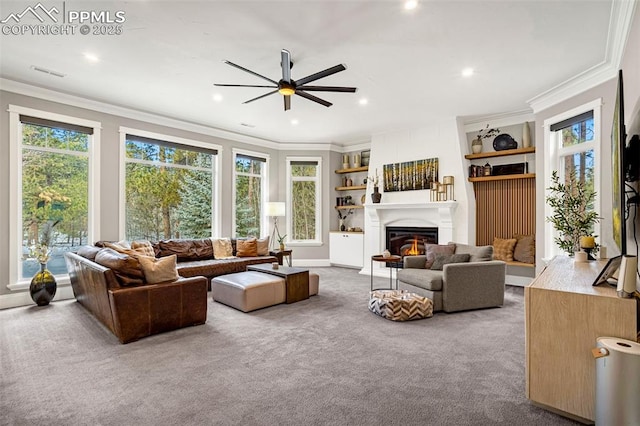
<point x="349" y="207"/>
<point x="503" y="177"/>
<point x="353" y="170"/>
<point x="506" y="152"/>
<point x="351" y="188"/>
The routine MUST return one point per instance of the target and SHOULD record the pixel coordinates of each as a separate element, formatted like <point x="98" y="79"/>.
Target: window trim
<point x="552" y="162"/>
<point x="317" y="241"/>
<point x="15" y="181"/>
<point x="215" y="199"/>
<point x="264" y="189"/>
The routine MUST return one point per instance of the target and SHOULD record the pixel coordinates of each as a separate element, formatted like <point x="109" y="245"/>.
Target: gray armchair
<point x="476" y="284"/>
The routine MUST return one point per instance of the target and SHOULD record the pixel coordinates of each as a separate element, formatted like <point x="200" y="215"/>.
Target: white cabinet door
<point x="346" y="248"/>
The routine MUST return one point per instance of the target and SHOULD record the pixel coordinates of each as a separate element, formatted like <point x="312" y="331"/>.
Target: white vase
<point x="526" y="135"/>
<point x="476" y="146"/>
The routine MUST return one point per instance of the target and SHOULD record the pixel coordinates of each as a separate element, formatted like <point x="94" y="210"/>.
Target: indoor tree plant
<point x="573" y="216"/>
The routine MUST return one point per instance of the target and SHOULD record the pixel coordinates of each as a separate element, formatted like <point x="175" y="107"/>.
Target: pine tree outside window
<point x="168" y="188"/>
<point x="250" y="182"/>
<point x="304" y="201"/>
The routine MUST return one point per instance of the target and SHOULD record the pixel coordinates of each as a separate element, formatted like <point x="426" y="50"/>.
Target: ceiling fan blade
<point x="260" y="97"/>
<point x="328" y="89"/>
<point x="287" y="103"/>
<point x="250" y="72"/>
<point x="313" y="98"/>
<point x="243" y="85"/>
<point x="321" y="74"/>
<point x="286" y="65"/>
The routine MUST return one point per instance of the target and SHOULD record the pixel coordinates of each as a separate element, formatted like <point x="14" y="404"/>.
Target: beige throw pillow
<point x="525" y="250"/>
<point x="503" y="249"/>
<point x="143" y="247"/>
<point x="159" y="270"/>
<point x="263" y="246"/>
<point x="222" y="248"/>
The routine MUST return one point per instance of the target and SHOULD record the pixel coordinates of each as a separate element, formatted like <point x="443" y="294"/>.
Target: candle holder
<point x="588" y="250"/>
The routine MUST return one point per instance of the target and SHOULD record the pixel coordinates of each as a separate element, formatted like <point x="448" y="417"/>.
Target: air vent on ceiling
<point x="46" y="71"/>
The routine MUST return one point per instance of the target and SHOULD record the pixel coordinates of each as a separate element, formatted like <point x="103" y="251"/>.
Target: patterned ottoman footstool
<point x="400" y="305"/>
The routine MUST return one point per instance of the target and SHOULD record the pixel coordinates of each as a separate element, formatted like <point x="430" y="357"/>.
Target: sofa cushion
<point x="445" y="259"/>
<point x="222" y="248"/>
<point x="478" y="253"/>
<point x="159" y="270"/>
<point x="423" y="278"/>
<point x="88" y="252"/>
<point x="263" y="246"/>
<point x="247" y="248"/>
<point x="433" y="249"/>
<point x="503" y="249"/>
<point x="126" y="268"/>
<point x="525" y="250"/>
<point x="185" y="249"/>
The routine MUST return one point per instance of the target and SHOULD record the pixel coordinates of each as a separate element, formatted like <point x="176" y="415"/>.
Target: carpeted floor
<point x="323" y="361"/>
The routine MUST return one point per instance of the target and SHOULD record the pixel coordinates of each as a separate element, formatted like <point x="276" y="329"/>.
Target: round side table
<point x="389" y="259"/>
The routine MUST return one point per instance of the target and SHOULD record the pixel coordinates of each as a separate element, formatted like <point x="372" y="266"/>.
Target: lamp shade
<point x="275" y="208"/>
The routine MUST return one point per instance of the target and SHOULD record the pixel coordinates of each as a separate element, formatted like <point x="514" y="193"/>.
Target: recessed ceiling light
<point x="363" y="101"/>
<point x="410" y="4"/>
<point x="217" y="97"/>
<point x="467" y="72"/>
<point x="294" y="122"/>
<point x="91" y="57"/>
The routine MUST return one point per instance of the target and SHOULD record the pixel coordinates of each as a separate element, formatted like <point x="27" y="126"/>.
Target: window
<point x="168" y="187"/>
<point x="250" y="178"/>
<point x="53" y="169"/>
<point x="303" y="200"/>
<point x="573" y="143"/>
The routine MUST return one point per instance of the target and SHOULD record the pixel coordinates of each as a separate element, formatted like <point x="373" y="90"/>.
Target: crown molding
<point x="498" y="120"/>
<point x="620" y="20"/>
<point x="79" y="102"/>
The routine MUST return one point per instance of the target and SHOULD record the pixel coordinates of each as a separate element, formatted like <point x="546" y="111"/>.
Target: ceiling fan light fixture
<point x="286" y="90"/>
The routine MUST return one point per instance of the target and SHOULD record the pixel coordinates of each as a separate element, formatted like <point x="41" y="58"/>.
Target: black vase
<point x="376" y="196"/>
<point x="43" y="286"/>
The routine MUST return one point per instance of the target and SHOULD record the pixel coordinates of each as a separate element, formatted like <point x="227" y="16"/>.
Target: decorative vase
<point x="281" y="246"/>
<point x="43" y="286"/>
<point x="526" y="135"/>
<point x="376" y="196"/>
<point x="476" y="146"/>
<point x="342" y="225"/>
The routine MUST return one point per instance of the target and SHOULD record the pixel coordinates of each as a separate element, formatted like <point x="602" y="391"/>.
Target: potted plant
<point x="342" y="216"/>
<point x="476" y="144"/>
<point x="573" y="216"/>
<point x="376" y="196"/>
<point x="281" y="241"/>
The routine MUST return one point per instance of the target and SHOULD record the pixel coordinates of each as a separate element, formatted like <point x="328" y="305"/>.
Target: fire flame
<point x="413" y="251"/>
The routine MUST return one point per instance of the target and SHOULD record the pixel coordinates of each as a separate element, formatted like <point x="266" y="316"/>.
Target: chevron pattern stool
<point x="400" y="305"/>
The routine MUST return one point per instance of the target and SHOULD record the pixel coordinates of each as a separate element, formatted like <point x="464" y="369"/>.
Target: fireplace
<point x="409" y="240"/>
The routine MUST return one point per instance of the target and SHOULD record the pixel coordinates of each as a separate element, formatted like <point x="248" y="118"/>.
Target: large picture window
<point x="250" y="176"/>
<point x="303" y="200"/>
<point x="54" y="171"/>
<point x="169" y="189"/>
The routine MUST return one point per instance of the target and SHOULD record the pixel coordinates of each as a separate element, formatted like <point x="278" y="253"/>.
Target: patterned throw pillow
<point x="444" y="259"/>
<point x="525" y="250"/>
<point x="222" y="248"/>
<point x="159" y="270"/>
<point x="503" y="249"/>
<point x="143" y="247"/>
<point x="247" y="248"/>
<point x="433" y="249"/>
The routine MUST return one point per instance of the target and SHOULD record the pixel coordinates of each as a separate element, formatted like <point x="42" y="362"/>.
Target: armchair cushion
<point x="423" y="278"/>
<point x="444" y="259"/>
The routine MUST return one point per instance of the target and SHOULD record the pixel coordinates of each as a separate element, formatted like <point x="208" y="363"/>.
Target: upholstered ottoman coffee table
<point x="400" y="305"/>
<point x="248" y="291"/>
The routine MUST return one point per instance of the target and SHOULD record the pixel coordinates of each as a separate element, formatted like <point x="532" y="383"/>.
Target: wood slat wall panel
<point x="504" y="208"/>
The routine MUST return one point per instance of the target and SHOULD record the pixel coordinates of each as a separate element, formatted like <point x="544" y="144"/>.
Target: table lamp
<point x="275" y="209"/>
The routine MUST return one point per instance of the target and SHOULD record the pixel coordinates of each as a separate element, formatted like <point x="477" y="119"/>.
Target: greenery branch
<point x="487" y="133"/>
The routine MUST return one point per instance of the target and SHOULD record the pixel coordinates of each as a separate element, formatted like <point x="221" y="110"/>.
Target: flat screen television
<point x="618" y="168"/>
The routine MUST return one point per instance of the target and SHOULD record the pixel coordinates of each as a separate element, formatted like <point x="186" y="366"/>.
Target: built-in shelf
<point x="351" y="188"/>
<point x="349" y="207"/>
<point x="522" y="264"/>
<point x="506" y="152"/>
<point x="502" y="177"/>
<point x="353" y="170"/>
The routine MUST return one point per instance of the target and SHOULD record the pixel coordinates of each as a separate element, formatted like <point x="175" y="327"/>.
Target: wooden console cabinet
<point x="565" y="315"/>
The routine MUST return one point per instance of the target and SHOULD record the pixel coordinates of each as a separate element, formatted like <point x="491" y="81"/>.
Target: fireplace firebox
<point x="409" y="240"/>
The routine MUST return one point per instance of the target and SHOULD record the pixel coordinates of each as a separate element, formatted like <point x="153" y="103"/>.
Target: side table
<point x="389" y="259"/>
<point x="280" y="254"/>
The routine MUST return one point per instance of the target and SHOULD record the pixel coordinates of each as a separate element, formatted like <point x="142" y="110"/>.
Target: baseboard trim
<point x="23" y="298"/>
<point x="310" y="263"/>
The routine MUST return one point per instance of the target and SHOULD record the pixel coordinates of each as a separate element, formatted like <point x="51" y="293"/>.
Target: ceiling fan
<point x="287" y="86"/>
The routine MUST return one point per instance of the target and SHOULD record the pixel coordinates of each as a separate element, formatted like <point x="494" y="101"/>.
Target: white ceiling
<point x="407" y="64"/>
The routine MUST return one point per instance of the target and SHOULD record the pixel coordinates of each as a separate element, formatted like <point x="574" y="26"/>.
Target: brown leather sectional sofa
<point x="130" y="308"/>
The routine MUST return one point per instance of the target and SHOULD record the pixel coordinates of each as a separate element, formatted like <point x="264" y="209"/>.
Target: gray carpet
<point x="323" y="361"/>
